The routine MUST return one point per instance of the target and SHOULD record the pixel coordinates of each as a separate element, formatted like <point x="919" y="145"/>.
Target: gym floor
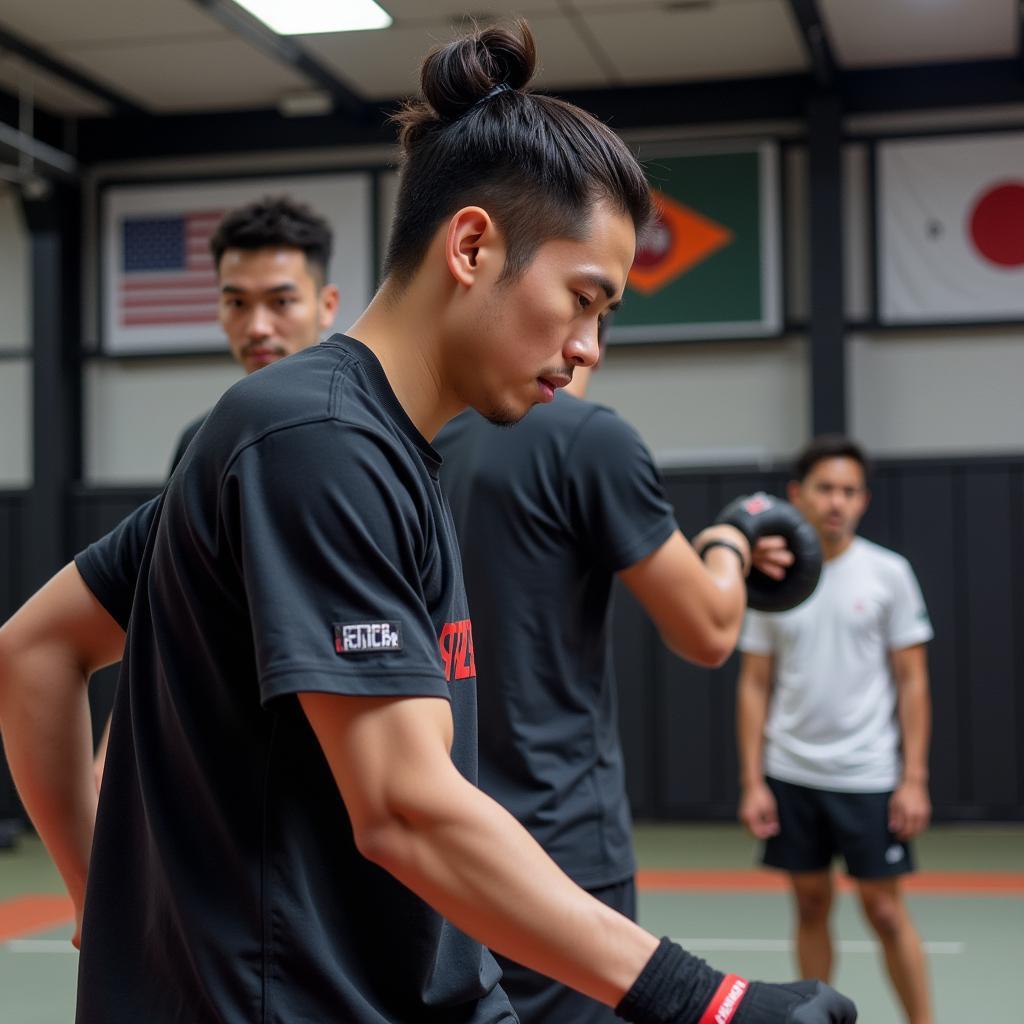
<point x="697" y="885"/>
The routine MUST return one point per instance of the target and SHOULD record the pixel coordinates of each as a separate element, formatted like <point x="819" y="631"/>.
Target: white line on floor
<point x="39" y="946"/>
<point x="786" y="946"/>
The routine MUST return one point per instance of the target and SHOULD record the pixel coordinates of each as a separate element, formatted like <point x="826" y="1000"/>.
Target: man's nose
<point x="259" y="323"/>
<point x="583" y="350"/>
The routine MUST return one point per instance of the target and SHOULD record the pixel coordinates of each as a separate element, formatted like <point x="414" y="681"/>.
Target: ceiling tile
<point x="205" y="74"/>
<point x="63" y="22"/>
<point x="385" y="64"/>
<point x="52" y="94"/>
<point x="729" y="39"/>
<point x="452" y="12"/>
<point x="893" y="32"/>
<point x="380" y="64"/>
<point x="565" y="59"/>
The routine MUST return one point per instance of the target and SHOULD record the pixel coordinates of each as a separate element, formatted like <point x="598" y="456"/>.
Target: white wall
<point x="938" y="392"/>
<point x="15" y="337"/>
<point x="738" y="402"/>
<point x="135" y="411"/>
<point x="15" y="423"/>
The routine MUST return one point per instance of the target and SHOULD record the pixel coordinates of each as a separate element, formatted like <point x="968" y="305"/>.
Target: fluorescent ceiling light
<point x="306" y="17"/>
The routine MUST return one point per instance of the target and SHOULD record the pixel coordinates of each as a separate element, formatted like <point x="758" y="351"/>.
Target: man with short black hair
<point x="834" y="720"/>
<point x="271" y="257"/>
<point x="548" y="516"/>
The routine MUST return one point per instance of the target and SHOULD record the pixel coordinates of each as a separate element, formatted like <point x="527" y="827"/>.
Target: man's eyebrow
<point x="602" y="282"/>
<point x="234" y="289"/>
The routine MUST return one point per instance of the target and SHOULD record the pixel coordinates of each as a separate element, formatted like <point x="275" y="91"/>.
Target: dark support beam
<point x="41" y="59"/>
<point x="53" y="223"/>
<point x="812" y="28"/>
<point x="826" y="322"/>
<point x="781" y="97"/>
<point x="778" y="97"/>
<point x="287" y="51"/>
<point x="933" y="86"/>
<point x="1020" y="38"/>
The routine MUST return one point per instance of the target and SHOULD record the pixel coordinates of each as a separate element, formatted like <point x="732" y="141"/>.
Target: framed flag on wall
<point x="158" y="286"/>
<point x="710" y="265"/>
<point x="950" y="229"/>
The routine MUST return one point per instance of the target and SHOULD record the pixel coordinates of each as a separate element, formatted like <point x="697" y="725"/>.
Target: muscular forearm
<point x="726" y="593"/>
<point x="476" y="865"/>
<point x="697" y="607"/>
<point x="44" y="718"/>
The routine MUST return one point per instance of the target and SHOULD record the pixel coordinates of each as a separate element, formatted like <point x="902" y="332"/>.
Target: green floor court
<point x="975" y="939"/>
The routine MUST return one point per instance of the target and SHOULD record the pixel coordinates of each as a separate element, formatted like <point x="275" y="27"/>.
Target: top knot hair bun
<point x="477" y="137"/>
<point x="459" y="74"/>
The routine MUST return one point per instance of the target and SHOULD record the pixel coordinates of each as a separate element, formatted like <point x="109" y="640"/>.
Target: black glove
<point x="761" y="515"/>
<point x="799" y="1002"/>
<point x="676" y="987"/>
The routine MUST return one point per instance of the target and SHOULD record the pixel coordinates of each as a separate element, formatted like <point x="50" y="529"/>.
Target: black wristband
<point x="674" y="987"/>
<point x="723" y="544"/>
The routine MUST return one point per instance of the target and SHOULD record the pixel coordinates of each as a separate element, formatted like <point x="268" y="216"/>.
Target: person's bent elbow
<point x="708" y="649"/>
<point x="381" y="839"/>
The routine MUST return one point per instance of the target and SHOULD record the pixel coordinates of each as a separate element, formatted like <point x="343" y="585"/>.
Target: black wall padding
<point x="959" y="521"/>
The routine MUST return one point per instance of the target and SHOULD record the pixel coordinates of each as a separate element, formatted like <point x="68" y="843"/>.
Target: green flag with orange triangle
<point x="709" y="265"/>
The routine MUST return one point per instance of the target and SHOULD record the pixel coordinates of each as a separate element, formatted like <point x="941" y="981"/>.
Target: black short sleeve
<point x="332" y="564"/>
<point x="110" y="566"/>
<point x="615" y="496"/>
<point x="184" y="440"/>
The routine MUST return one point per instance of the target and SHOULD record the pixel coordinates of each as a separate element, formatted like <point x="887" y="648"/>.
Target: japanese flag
<point x="951" y="229"/>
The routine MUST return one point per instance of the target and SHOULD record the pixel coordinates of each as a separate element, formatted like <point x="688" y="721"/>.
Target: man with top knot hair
<point x="288" y="828"/>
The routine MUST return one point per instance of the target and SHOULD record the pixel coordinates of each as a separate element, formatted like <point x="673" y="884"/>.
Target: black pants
<point x="540" y="1000"/>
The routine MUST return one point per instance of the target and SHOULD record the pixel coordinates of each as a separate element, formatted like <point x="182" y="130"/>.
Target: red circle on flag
<point x="997" y="224"/>
<point x="655" y="244"/>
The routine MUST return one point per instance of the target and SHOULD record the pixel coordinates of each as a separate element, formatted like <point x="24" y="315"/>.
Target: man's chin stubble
<point x="503" y="417"/>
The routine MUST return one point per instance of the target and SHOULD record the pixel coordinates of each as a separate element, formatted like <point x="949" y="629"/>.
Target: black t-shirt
<point x="185" y="439"/>
<point x="303" y="544"/>
<point x="547" y="512"/>
<point x="111" y="566"/>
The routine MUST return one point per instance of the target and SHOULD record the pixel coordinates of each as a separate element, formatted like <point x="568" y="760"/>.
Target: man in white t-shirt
<point x="834" y="719"/>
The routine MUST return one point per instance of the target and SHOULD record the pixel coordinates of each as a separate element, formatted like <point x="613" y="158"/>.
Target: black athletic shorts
<point x="538" y="999"/>
<point x="817" y="824"/>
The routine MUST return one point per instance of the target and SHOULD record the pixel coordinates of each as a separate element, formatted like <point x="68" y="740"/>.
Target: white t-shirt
<point x="832" y="719"/>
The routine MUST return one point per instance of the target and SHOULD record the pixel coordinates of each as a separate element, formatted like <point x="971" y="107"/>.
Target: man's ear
<point x="329" y="299"/>
<point x="472" y="235"/>
<point x="793" y="491"/>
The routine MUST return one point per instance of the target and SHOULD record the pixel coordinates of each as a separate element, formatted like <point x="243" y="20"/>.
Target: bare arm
<point x="757" y="805"/>
<point x="696" y="605"/>
<point x="910" y="808"/>
<point x="48" y="650"/>
<point x="417" y="817"/>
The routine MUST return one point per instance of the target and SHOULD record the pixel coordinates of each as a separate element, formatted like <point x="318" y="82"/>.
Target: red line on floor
<point x="943" y="883"/>
<point x="27" y="914"/>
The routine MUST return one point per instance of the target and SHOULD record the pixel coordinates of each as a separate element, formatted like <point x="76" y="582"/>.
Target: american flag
<point x="167" y="272"/>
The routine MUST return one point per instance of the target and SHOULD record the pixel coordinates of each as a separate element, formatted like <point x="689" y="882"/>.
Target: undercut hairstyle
<point x="276" y="221"/>
<point x="830" y="446"/>
<point x="536" y="164"/>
